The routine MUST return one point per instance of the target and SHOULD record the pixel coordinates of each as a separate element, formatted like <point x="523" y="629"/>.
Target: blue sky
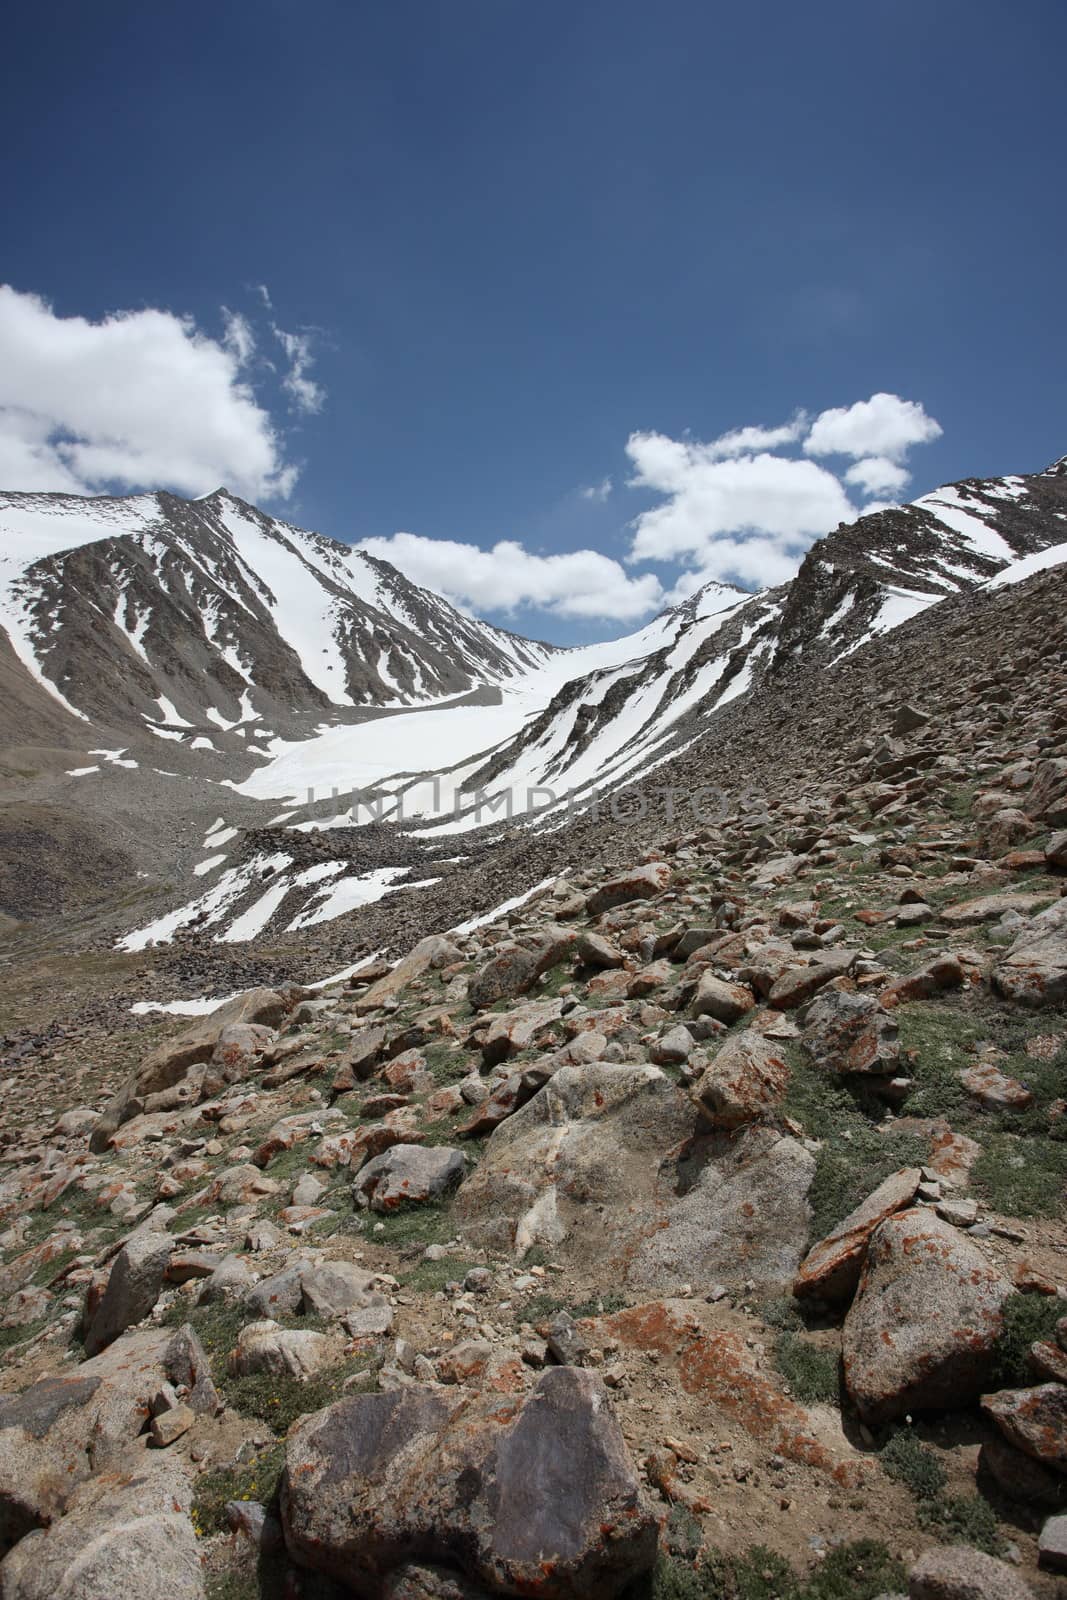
<point x="500" y="238"/>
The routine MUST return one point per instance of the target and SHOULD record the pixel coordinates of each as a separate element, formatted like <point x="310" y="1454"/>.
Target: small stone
<point x="170" y="1425"/>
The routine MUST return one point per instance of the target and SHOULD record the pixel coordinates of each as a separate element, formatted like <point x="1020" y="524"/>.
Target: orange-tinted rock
<point x="1033" y="1420"/>
<point x="831" y="1269"/>
<point x="744" y="1082"/>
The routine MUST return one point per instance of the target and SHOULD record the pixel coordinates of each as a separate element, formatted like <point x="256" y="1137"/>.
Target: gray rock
<point x="510" y="972"/>
<point x="1034" y="971"/>
<point x="171" y="1062"/>
<point x="408" y="1174"/>
<point x="123" y="1535"/>
<point x="674" y="1048"/>
<point x="959" y="1573"/>
<point x="231" y="1280"/>
<point x="1052" y="1544"/>
<point x="922" y="1329"/>
<point x="608" y="1166"/>
<point x="726" y="1002"/>
<point x="61" y="1429"/>
<point x="522" y="1494"/>
<point x="133" y="1288"/>
<point x="744" y="1081"/>
<point x="282" y="1352"/>
<point x="849" y="1033"/>
<point x="640" y="883"/>
<point x="1033" y="1420"/>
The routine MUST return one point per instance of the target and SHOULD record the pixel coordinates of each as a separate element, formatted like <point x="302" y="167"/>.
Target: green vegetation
<point x="954" y="1519"/>
<point x="962" y="1519"/>
<point x="909" y="1461"/>
<point x="1020" y="1178"/>
<point x="279" y="1401"/>
<point x="1028" y="1319"/>
<point x="429" y="1276"/>
<point x="254" y="1479"/>
<point x="859" y="1571"/>
<point x="856" y="1155"/>
<point x="811" y="1372"/>
<point x="543" y="1307"/>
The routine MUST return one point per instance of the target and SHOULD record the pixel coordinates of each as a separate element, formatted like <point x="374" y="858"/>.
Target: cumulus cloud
<point x="738" y="510"/>
<point x="877" y="475"/>
<point x="579" y="583"/>
<point x="885" y="426"/>
<point x="138" y="399"/>
<point x="717" y="508"/>
<point x="744" y="441"/>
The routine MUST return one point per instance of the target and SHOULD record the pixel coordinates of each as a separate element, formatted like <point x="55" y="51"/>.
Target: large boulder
<point x="831" y="1269"/>
<point x="126" y="1533"/>
<point x="133" y="1288"/>
<point x="530" y="1495"/>
<point x="1034" y="971"/>
<point x="959" y="1573"/>
<point x="921" y="1332"/>
<point x="171" y="1062"/>
<point x="314" y="1286"/>
<point x="744" y="1082"/>
<point x="408" y="1174"/>
<point x="609" y="1166"/>
<point x="62" y="1429"/>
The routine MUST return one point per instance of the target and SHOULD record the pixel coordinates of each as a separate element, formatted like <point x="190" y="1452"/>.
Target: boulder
<point x="726" y="1002"/>
<point x="170" y="1062"/>
<point x="61" y="1429"/>
<point x="959" y="1573"/>
<point x="922" y="1330"/>
<point x="609" y="1167"/>
<point x="510" y="972"/>
<point x="831" y="1269"/>
<point x="1056" y="852"/>
<point x="124" y="1534"/>
<point x="527" y="1495"/>
<point x="1033" y="1420"/>
<point x="640" y="883"/>
<point x="1034" y="971"/>
<point x="1052" y="1545"/>
<point x="408" y="1174"/>
<point x="798" y="984"/>
<point x="593" y="950"/>
<point x="744" y="1082"/>
<point x="282" y="1352"/>
<point x="850" y="1034"/>
<point x="436" y="950"/>
<point x="133" y="1288"/>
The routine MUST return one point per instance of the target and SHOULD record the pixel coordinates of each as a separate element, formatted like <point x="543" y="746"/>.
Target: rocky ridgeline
<point x="698" y="1227"/>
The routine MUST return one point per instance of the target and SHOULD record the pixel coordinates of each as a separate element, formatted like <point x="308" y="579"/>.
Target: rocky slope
<point x="697" y="1223"/>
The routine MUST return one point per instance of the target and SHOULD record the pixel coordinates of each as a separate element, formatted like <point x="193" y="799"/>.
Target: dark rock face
<point x="528" y="1496"/>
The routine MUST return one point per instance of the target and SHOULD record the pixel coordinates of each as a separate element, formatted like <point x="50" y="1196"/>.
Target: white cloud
<point x="597" y="491"/>
<point x="885" y="425"/>
<point x="750" y="517"/>
<point x="307" y="395"/>
<point x="877" y="475"/>
<point x="579" y="583"/>
<point x="238" y="338"/>
<point x="746" y="441"/>
<point x="139" y="399"/>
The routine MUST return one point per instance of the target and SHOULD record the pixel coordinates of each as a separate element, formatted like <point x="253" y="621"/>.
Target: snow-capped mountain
<point x="224" y="631"/>
<point x="208" y="613"/>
